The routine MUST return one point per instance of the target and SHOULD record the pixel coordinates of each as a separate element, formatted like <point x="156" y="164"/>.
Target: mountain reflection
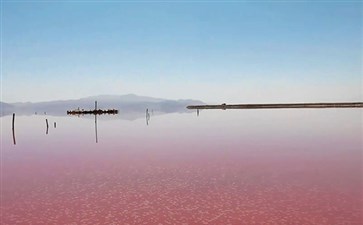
<point x="146" y="114"/>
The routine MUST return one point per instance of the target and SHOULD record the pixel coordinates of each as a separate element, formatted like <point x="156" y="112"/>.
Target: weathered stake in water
<point x="13" y="126"/>
<point x="46" y="122"/>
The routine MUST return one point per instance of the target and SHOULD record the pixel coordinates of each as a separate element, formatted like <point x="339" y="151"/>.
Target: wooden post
<point x="46" y="121"/>
<point x="14" y="129"/>
<point x="55" y="125"/>
<point x="95" y="105"/>
<point x="13" y="120"/>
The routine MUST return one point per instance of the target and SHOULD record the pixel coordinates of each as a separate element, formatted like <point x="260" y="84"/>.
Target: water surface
<point x="221" y="167"/>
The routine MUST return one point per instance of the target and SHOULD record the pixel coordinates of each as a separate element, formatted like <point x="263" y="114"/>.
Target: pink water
<point x="223" y="167"/>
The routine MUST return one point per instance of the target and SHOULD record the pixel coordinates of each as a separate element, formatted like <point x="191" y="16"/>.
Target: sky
<point x="214" y="51"/>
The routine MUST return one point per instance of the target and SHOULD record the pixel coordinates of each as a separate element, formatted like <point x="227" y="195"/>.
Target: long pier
<point x="280" y="105"/>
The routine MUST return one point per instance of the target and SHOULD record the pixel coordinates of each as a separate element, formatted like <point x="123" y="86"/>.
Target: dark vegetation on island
<point x="98" y="111"/>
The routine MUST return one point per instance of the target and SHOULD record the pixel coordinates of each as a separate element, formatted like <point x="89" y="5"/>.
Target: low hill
<point x="126" y="104"/>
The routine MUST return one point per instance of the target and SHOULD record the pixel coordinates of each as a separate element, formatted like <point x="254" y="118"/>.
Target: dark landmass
<point x="280" y="106"/>
<point x="129" y="106"/>
<point x="94" y="112"/>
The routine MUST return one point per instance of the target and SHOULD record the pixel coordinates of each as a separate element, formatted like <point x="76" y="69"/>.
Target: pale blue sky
<point x="213" y="51"/>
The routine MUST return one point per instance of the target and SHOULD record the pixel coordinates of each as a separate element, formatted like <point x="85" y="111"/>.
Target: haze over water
<point x="221" y="167"/>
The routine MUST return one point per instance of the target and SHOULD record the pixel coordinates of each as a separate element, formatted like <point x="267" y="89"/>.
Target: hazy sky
<point x="213" y="51"/>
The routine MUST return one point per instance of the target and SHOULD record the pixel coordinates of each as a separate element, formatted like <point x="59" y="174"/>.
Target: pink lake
<point x="221" y="167"/>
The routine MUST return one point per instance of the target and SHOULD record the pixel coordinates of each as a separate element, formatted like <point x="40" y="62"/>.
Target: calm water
<point x="221" y="167"/>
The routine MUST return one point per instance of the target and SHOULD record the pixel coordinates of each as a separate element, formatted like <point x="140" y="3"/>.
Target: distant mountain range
<point x="130" y="106"/>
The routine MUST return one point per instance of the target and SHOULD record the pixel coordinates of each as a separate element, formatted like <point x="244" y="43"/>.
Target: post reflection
<point x="96" y="128"/>
<point x="147" y="117"/>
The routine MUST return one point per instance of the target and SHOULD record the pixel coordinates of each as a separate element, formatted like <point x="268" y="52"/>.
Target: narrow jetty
<point x="280" y="105"/>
